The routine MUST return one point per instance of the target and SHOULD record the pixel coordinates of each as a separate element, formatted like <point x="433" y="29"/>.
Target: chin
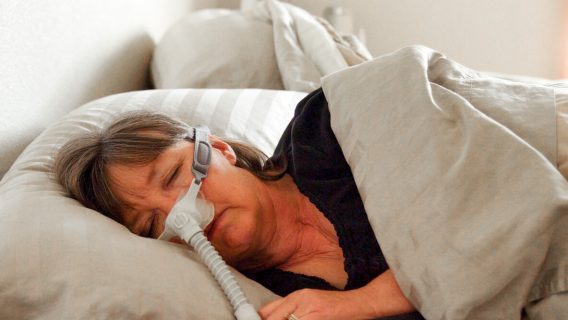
<point x="238" y="240"/>
<point x="234" y="245"/>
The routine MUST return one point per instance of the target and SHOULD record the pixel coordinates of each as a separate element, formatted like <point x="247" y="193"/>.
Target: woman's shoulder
<point x="309" y="139"/>
<point x="314" y="101"/>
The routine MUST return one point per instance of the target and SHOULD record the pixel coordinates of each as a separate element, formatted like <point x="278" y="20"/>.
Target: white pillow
<point x="60" y="260"/>
<point x="217" y="48"/>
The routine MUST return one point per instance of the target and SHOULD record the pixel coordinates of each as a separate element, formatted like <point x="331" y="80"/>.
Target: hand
<point x="310" y="304"/>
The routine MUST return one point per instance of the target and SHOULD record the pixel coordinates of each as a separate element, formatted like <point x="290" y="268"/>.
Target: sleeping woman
<point x="294" y="222"/>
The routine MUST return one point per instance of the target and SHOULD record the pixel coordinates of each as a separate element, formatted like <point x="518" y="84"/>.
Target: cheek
<point x="225" y="181"/>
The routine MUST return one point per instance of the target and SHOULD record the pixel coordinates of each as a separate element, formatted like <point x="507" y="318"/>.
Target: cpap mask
<point x="192" y="214"/>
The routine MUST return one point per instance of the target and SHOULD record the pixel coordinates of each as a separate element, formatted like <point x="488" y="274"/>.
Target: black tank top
<point x="319" y="169"/>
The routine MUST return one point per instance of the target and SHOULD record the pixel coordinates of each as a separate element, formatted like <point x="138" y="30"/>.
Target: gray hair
<point x="135" y="139"/>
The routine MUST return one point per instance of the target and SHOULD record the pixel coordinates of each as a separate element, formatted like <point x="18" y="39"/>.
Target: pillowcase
<point x="60" y="260"/>
<point x="217" y="48"/>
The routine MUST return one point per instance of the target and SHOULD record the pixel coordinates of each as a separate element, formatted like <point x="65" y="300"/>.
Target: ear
<point x="224" y="148"/>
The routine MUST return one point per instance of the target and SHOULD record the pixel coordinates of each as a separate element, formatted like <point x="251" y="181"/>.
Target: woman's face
<point x="150" y="191"/>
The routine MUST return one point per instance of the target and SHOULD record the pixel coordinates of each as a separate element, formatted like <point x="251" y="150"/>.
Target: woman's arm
<point x="381" y="297"/>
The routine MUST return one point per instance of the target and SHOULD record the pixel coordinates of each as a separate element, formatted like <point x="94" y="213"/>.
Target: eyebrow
<point x="152" y="175"/>
<point x="177" y="163"/>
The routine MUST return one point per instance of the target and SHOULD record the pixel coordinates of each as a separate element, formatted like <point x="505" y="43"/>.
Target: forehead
<point x="127" y="176"/>
<point x="130" y="183"/>
<point x="133" y="179"/>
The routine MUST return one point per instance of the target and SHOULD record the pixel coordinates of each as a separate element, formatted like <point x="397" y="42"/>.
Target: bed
<point x="60" y="260"/>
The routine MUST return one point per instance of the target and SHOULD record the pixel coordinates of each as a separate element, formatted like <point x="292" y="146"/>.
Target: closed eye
<point x="150" y="230"/>
<point x="173" y="176"/>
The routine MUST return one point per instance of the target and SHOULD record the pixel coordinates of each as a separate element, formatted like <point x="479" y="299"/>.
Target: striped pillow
<point x="62" y="260"/>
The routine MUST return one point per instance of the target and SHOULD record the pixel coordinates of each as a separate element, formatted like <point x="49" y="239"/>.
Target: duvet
<point x="457" y="171"/>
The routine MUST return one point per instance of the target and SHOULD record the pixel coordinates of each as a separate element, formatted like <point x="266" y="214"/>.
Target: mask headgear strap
<point x="177" y="219"/>
<point x="201" y="153"/>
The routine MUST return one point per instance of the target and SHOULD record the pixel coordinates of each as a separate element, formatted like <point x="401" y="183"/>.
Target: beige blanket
<point x="458" y="174"/>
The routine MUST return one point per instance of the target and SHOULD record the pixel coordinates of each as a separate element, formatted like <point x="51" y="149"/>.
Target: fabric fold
<point x="306" y="47"/>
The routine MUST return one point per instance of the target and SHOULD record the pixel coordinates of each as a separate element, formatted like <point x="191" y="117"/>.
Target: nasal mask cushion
<point x="191" y="207"/>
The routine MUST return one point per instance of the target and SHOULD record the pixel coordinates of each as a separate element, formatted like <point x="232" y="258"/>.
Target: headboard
<point x="56" y="55"/>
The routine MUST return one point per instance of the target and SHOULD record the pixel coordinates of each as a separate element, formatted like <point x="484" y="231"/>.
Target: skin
<point x="258" y="224"/>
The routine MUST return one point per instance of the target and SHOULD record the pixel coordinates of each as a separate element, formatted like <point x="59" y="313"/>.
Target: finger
<point x="268" y="308"/>
<point x="283" y="310"/>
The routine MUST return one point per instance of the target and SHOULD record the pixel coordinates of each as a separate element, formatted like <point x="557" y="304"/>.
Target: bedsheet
<point x="457" y="171"/>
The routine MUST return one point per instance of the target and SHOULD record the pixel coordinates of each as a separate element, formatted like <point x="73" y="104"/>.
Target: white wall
<point x="58" y="54"/>
<point x="511" y="36"/>
<point x="526" y="37"/>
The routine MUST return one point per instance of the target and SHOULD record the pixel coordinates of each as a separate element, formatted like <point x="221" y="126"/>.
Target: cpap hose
<point x="243" y="309"/>
<point x="186" y="221"/>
